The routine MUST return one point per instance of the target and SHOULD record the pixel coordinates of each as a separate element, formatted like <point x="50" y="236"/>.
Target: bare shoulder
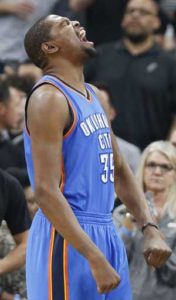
<point x="47" y="97"/>
<point x="47" y="103"/>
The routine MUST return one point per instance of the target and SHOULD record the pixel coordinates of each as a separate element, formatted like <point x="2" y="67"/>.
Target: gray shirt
<point x="13" y="29"/>
<point x="130" y="152"/>
<point x="146" y="283"/>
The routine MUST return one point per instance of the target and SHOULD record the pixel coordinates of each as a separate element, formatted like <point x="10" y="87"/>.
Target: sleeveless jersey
<point x="88" y="166"/>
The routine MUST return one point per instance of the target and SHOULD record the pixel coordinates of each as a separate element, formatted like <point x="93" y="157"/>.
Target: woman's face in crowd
<point x="159" y="173"/>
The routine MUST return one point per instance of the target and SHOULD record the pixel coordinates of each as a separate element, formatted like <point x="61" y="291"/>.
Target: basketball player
<point x="73" y="250"/>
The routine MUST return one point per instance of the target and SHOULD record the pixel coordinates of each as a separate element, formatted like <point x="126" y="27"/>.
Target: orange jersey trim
<point x="73" y="110"/>
<point x="62" y="177"/>
<point x="65" y="271"/>
<point x="50" y="285"/>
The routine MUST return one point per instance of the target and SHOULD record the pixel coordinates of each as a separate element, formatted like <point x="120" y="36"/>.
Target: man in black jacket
<point x="141" y="75"/>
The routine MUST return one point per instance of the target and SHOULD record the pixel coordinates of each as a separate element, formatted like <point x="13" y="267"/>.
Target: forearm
<point x="131" y="194"/>
<point x="13" y="260"/>
<point x="58" y="211"/>
<point x="5" y="8"/>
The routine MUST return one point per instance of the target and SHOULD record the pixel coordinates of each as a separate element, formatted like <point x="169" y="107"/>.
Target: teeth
<point x="82" y="35"/>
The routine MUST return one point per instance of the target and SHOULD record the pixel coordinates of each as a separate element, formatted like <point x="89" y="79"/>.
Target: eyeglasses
<point x="141" y="11"/>
<point x="164" y="168"/>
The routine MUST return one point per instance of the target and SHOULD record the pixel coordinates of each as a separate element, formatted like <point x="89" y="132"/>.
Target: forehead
<point x="147" y="4"/>
<point x="55" y="19"/>
<point x="157" y="156"/>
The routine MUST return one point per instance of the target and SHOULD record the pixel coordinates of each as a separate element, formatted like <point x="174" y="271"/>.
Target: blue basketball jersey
<point x="54" y="269"/>
<point x="88" y="167"/>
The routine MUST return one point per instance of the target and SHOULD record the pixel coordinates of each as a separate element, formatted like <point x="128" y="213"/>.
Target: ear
<point x="2" y="109"/>
<point x="49" y="48"/>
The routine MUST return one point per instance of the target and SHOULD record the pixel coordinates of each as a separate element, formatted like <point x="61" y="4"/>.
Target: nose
<point x="76" y="24"/>
<point x="136" y="13"/>
<point x="158" y="170"/>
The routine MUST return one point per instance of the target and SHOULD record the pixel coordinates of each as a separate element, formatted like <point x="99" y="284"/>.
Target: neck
<point x="66" y="71"/>
<point x="160" y="199"/>
<point x="142" y="47"/>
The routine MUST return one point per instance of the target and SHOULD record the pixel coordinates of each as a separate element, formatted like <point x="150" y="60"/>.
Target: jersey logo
<point x="93" y="123"/>
<point x="152" y="67"/>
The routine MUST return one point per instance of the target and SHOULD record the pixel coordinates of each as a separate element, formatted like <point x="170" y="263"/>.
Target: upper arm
<point x="48" y="115"/>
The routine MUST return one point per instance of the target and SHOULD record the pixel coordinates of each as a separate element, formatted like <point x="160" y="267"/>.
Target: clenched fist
<point x="156" y="251"/>
<point x="105" y="276"/>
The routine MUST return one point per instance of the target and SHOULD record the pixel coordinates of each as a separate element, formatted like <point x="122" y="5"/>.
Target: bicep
<point x="47" y="117"/>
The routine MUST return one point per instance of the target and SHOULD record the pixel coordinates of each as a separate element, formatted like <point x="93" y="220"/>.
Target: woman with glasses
<point x="157" y="177"/>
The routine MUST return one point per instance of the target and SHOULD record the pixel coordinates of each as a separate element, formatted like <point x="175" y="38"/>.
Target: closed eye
<point x="65" y="22"/>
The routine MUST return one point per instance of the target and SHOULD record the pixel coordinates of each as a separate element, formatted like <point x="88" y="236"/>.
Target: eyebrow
<point x="64" y="20"/>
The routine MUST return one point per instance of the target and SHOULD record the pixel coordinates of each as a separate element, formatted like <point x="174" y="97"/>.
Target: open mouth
<point x="81" y="34"/>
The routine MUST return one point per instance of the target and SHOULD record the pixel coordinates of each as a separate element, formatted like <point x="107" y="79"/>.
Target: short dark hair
<point x="4" y="91"/>
<point x="35" y="36"/>
<point x="21" y="83"/>
<point x="155" y="2"/>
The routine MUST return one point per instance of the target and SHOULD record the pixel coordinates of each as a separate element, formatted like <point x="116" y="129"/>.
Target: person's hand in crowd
<point x="31" y="202"/>
<point x="79" y="5"/>
<point x="6" y="296"/>
<point x="22" y="9"/>
<point x="156" y="251"/>
<point x="129" y="222"/>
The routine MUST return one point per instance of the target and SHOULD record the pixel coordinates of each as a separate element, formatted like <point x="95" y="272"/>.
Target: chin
<point x="135" y="37"/>
<point x="155" y="188"/>
<point x="90" y="51"/>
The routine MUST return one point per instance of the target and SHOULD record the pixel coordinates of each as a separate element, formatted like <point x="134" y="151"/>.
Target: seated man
<point x="13" y="210"/>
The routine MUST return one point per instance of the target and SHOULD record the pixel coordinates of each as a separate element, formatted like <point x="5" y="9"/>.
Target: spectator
<point x="14" y="211"/>
<point x="157" y="177"/>
<point x="29" y="71"/>
<point x="10" y="115"/>
<point x="141" y="75"/>
<point x="12" y="283"/>
<point x="129" y="151"/>
<point x="16" y="17"/>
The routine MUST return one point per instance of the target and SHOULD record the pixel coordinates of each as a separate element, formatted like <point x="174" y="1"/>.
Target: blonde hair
<point x="169" y="151"/>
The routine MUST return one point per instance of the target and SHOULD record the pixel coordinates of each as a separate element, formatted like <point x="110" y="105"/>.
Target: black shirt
<point x="143" y="89"/>
<point x="103" y="20"/>
<point x="13" y="208"/>
<point x="12" y="158"/>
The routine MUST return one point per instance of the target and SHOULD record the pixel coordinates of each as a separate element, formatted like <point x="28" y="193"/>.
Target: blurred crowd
<point x="135" y="70"/>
